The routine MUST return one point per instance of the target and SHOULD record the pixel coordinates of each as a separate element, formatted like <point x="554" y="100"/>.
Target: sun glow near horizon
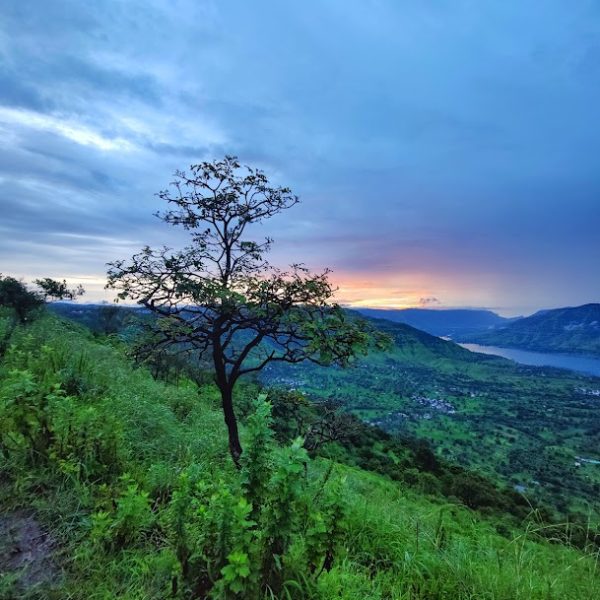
<point x="384" y="303"/>
<point x="375" y="294"/>
<point x="429" y="290"/>
<point x="378" y="291"/>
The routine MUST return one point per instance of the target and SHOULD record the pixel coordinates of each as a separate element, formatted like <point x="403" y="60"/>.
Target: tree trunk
<point x="235" y="448"/>
<point x="225" y="386"/>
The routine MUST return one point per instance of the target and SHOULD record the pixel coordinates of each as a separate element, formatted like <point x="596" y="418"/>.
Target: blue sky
<point x="446" y="153"/>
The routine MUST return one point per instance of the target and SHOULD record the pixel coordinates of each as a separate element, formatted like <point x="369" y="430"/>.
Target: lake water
<point x="583" y="364"/>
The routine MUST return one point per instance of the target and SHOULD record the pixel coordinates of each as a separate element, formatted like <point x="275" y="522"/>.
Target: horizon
<point x="499" y="312"/>
<point x="96" y="294"/>
<point x="444" y="155"/>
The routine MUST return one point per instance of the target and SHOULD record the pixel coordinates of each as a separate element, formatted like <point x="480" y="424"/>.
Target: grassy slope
<point x="525" y="425"/>
<point x="396" y="544"/>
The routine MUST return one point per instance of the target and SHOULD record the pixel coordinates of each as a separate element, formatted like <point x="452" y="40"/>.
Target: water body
<point x="582" y="364"/>
<point x="591" y="461"/>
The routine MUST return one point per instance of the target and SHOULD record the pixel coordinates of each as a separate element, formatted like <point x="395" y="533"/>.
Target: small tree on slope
<point x="219" y="295"/>
<point x="52" y="289"/>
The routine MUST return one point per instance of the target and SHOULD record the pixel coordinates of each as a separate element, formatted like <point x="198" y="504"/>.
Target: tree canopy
<point x="15" y="295"/>
<point x="52" y="289"/>
<point x="220" y="295"/>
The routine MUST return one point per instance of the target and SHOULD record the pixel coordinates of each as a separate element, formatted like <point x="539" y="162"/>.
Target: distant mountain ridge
<point x="440" y="322"/>
<point x="574" y="330"/>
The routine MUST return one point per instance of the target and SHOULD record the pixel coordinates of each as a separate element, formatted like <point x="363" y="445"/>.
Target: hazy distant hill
<point x="441" y="322"/>
<point x="572" y="330"/>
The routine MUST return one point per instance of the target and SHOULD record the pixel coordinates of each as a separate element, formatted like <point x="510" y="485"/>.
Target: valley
<point x="521" y="424"/>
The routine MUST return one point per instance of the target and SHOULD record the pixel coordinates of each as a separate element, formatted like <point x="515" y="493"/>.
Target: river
<point x="575" y="362"/>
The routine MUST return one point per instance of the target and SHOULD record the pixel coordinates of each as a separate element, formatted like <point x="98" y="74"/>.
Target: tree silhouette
<point x="219" y="295"/>
<point x="15" y="295"/>
<point x="52" y="289"/>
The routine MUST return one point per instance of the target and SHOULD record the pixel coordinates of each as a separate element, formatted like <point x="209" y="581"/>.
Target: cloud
<point x="73" y="131"/>
<point x="428" y="301"/>
<point x="445" y="144"/>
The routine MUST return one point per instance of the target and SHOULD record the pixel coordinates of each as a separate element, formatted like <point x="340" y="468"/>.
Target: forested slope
<point x="526" y="426"/>
<point x="573" y="330"/>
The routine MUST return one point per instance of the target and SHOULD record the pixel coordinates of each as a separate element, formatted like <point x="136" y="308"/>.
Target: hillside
<point x="440" y="322"/>
<point x="525" y="426"/>
<point x="115" y="485"/>
<point x="569" y="330"/>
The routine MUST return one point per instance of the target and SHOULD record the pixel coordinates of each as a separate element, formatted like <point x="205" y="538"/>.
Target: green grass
<point x="394" y="543"/>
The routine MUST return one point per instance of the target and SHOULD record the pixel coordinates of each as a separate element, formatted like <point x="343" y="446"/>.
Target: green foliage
<point x="326" y="527"/>
<point x="40" y="424"/>
<point x="257" y="462"/>
<point x="128" y="521"/>
<point x="58" y="290"/>
<point x="15" y="295"/>
<point x="7" y="325"/>
<point x="279" y="518"/>
<point x="144" y="503"/>
<point x="236" y="573"/>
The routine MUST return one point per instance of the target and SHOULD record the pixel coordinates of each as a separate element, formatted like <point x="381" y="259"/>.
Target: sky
<point x="446" y="153"/>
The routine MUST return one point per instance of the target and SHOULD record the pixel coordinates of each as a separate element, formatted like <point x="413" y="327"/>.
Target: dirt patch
<point x="26" y="551"/>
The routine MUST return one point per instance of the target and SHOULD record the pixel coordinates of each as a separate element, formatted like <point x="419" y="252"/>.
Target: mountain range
<point x="440" y="322"/>
<point x="568" y="330"/>
<point x="573" y="330"/>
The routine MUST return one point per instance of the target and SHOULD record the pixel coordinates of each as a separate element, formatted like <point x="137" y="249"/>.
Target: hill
<point x="525" y="426"/>
<point x="440" y="322"/>
<point x="116" y="485"/>
<point x="569" y="330"/>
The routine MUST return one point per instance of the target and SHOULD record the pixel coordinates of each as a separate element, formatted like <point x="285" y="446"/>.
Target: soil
<point x="26" y="551"/>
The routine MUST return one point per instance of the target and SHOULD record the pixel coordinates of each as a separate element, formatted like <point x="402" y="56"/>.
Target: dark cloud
<point x="189" y="152"/>
<point x="448" y="144"/>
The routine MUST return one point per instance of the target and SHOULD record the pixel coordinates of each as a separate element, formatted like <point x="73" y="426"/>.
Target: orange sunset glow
<point x="408" y="290"/>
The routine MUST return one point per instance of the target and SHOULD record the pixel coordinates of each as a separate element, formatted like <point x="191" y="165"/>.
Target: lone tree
<point x="220" y="296"/>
